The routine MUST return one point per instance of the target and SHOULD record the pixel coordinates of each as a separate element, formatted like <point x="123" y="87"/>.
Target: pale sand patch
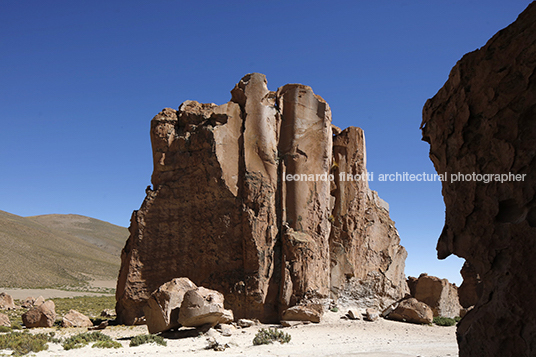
<point x="332" y="337"/>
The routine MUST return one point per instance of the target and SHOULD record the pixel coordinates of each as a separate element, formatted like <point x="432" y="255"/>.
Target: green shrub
<point x="334" y="309"/>
<point x="264" y="337"/>
<point x="107" y="344"/>
<point x="444" y="321"/>
<point x="5" y="329"/>
<point x="82" y="339"/>
<point x="22" y="343"/>
<point x="457" y="318"/>
<point x="87" y="305"/>
<point x="142" y="339"/>
<point x="16" y="326"/>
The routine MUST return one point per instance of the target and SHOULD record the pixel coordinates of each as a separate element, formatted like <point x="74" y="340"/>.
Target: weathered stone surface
<point x="367" y="262"/>
<point x="28" y="302"/>
<point x="43" y="315"/>
<point x="483" y="121"/>
<point x="162" y="309"/>
<point x="6" y="302"/>
<point x="412" y="310"/>
<point x="4" y="320"/>
<point x="75" y="319"/>
<point x="200" y="307"/>
<point x="471" y="289"/>
<point x="227" y="317"/>
<point x="301" y="313"/>
<point x="223" y="212"/>
<point x="353" y="314"/>
<point x="439" y="294"/>
<point x="40" y="300"/>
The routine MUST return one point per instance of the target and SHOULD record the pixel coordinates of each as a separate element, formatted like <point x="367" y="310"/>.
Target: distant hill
<point x="58" y="250"/>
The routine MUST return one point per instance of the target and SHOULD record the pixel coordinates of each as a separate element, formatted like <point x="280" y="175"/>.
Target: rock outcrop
<point x="247" y="200"/>
<point x="482" y="124"/>
<point x="439" y="294"/>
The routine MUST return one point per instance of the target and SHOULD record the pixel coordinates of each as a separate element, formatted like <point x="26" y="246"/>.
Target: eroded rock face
<point x="439" y="294"/>
<point x="227" y="211"/>
<point x="483" y="121"/>
<point x="43" y="315"/>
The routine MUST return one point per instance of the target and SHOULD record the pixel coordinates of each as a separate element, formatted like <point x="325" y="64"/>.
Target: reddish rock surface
<point x="412" y="310"/>
<point x="223" y="212"/>
<point x="439" y="294"/>
<point x="75" y="319"/>
<point x="483" y="121"/>
<point x="43" y="315"/>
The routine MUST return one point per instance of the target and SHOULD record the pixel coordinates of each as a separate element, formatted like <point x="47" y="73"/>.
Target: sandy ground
<point x="332" y="337"/>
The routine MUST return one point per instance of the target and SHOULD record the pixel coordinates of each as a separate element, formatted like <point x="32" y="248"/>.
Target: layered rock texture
<point x="483" y="121"/>
<point x="439" y="294"/>
<point x="242" y="203"/>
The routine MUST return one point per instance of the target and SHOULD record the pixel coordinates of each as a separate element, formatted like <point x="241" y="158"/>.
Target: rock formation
<point x="412" y="310"/>
<point x="243" y="203"/>
<point x="43" y="315"/>
<point x="75" y="319"/>
<point x="439" y="294"/>
<point x="483" y="122"/>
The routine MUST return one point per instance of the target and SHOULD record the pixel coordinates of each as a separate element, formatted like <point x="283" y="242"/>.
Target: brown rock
<point x="227" y="317"/>
<point x="482" y="122"/>
<point x="75" y="319"/>
<point x="101" y="326"/>
<point x="162" y="309"/>
<point x="222" y="202"/>
<point x="353" y="314"/>
<point x="300" y="313"/>
<point x="371" y="314"/>
<point x="43" y="315"/>
<point x="107" y="313"/>
<point x="471" y="289"/>
<point x="439" y="294"/>
<point x="28" y="302"/>
<point x="246" y="323"/>
<point x="200" y="307"/>
<point x="4" y="320"/>
<point x="6" y="302"/>
<point x="40" y="300"/>
<point x="412" y="310"/>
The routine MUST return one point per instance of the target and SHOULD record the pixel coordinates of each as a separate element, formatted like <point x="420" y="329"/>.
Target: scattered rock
<point x="439" y="294"/>
<point x="300" y="313"/>
<point x="6" y="302"/>
<point x="75" y="319"/>
<point x="285" y="323"/>
<point x="246" y="323"/>
<point x="201" y="306"/>
<point x="4" y="320"/>
<point x="108" y="313"/>
<point x="412" y="310"/>
<point x="227" y="330"/>
<point x="219" y="201"/>
<point x="101" y="326"/>
<point x="43" y="315"/>
<point x="371" y="314"/>
<point x="39" y="301"/>
<point x="28" y="302"/>
<point x="227" y="317"/>
<point x="353" y="314"/>
<point x="162" y="309"/>
<point x="482" y="122"/>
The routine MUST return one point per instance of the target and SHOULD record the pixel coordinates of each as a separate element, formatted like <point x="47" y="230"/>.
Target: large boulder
<point x="6" y="302"/>
<point x="252" y="198"/>
<point x="74" y="318"/>
<point x="412" y="310"/>
<point x="43" y="315"/>
<point x="200" y="307"/>
<point x="439" y="294"/>
<point x="481" y="128"/>
<point x="162" y="309"/>
<point x="301" y="313"/>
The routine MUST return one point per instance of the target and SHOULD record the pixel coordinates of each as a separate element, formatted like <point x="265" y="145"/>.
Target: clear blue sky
<point x="80" y="81"/>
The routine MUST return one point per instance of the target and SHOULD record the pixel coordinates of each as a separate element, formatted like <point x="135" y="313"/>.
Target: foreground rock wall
<point x="483" y="121"/>
<point x="224" y="213"/>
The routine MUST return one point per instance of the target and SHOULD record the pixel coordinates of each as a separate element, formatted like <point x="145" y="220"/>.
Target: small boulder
<point x="371" y="314"/>
<point x="43" y="315"/>
<point x="108" y="313"/>
<point x="353" y="314"/>
<point x="6" y="302"/>
<point x="162" y="309"/>
<point x="412" y="310"/>
<point x="227" y="317"/>
<point x="4" y="320"/>
<point x="39" y="301"/>
<point x="301" y="313"/>
<point x="200" y="307"/>
<point x="28" y="302"/>
<point x="246" y="323"/>
<point x="75" y="319"/>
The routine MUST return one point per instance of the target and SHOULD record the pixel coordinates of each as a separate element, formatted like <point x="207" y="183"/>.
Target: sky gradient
<point x="80" y="82"/>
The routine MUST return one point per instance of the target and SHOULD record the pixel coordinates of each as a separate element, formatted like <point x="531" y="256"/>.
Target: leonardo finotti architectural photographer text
<point x="408" y="177"/>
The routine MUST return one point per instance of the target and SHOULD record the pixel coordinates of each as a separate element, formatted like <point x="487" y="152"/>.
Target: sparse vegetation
<point x="5" y="329"/>
<point x="142" y="339"/>
<point x="267" y="336"/>
<point x="22" y="343"/>
<point x="83" y="339"/>
<point x="88" y="305"/>
<point x="107" y="344"/>
<point x="334" y="309"/>
<point x="444" y="321"/>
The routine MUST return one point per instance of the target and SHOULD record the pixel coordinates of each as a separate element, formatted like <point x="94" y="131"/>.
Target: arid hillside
<point x="58" y="250"/>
